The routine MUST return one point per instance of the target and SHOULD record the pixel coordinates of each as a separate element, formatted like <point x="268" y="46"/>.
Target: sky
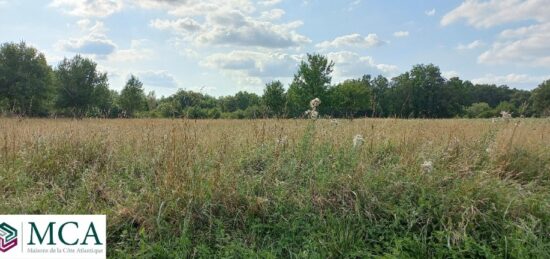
<point x="220" y="47"/>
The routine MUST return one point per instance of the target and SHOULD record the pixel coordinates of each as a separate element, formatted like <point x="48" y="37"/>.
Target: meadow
<point x="289" y="188"/>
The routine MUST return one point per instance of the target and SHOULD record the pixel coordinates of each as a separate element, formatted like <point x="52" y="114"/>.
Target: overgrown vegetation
<point x="289" y="188"/>
<point x="29" y="87"/>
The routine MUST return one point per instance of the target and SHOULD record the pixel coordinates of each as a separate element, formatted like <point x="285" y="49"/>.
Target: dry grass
<point x="174" y="188"/>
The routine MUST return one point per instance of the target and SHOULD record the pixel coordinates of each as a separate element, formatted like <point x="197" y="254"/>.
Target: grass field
<point x="289" y="188"/>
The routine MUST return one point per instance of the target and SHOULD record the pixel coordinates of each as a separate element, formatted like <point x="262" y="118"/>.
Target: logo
<point x="8" y="237"/>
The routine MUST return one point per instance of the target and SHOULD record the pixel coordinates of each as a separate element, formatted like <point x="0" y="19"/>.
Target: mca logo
<point x="8" y="237"/>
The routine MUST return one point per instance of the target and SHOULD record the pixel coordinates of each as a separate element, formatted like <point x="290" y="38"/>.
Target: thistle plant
<point x="313" y="113"/>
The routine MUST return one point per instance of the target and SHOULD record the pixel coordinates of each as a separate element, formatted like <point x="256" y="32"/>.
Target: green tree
<point x="26" y="81"/>
<point x="274" y="98"/>
<point x="151" y="101"/>
<point x="428" y="85"/>
<point x="505" y="106"/>
<point x="379" y="96"/>
<point x="246" y="99"/>
<point x="80" y="86"/>
<point x="479" y="110"/>
<point x="350" y="97"/>
<point x="311" y="81"/>
<point x="451" y="98"/>
<point x="105" y="100"/>
<point x="541" y="99"/>
<point x="419" y="93"/>
<point x="132" y="98"/>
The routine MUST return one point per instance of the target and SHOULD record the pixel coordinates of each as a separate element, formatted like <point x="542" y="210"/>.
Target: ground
<point x="289" y="188"/>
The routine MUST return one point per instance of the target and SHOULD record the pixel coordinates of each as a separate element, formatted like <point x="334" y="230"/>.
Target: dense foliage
<point x="30" y="87"/>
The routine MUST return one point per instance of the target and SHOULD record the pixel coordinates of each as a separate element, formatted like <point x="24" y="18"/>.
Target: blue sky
<point x="221" y="47"/>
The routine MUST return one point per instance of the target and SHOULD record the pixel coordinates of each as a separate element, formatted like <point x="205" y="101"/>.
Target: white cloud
<point x="273" y="14"/>
<point x="450" y="74"/>
<point x="353" y="5"/>
<point x="137" y="51"/>
<point x="253" y="67"/>
<point x="473" y="45"/>
<point x="430" y="12"/>
<point x="186" y="8"/>
<point x="352" y="40"/>
<point x="269" y="2"/>
<point x="400" y="34"/>
<point x="182" y="25"/>
<point x="88" y="8"/>
<point x="95" y="42"/>
<point x="262" y="64"/>
<point x="89" y="45"/>
<point x="527" y="45"/>
<point x="157" y="79"/>
<point x="524" y="46"/>
<point x="236" y="29"/>
<point x="486" y="14"/>
<point x="350" y="64"/>
<point x="510" y="79"/>
<point x="155" y="4"/>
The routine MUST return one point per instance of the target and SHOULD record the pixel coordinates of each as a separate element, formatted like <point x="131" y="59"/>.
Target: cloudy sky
<point x="220" y="47"/>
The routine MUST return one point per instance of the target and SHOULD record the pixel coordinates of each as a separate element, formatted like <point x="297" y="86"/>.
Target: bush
<point x="479" y="110"/>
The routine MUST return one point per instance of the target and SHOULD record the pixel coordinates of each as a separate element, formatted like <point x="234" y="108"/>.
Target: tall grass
<point x="289" y="188"/>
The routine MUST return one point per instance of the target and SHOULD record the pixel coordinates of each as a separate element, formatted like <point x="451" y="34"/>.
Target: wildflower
<point x="314" y="115"/>
<point x="358" y="140"/>
<point x="334" y="122"/>
<point x="314" y="103"/>
<point x="427" y="166"/>
<point x="506" y="116"/>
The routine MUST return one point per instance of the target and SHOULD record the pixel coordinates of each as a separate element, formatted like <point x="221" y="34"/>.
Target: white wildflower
<point x="427" y="166"/>
<point x="314" y="103"/>
<point x="314" y="115"/>
<point x="358" y="140"/>
<point x="506" y="115"/>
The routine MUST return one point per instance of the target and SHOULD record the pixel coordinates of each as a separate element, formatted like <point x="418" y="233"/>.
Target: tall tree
<point x="428" y="85"/>
<point x="541" y="99"/>
<point x="350" y="98"/>
<point x="132" y="98"/>
<point x="418" y="93"/>
<point x="25" y="79"/>
<point x="379" y="99"/>
<point x="311" y="81"/>
<point x="105" y="100"/>
<point x="274" y="98"/>
<point x="451" y="98"/>
<point x="152" y="101"/>
<point x="80" y="85"/>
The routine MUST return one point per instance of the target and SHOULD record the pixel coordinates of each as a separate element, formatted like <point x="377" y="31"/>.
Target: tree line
<point x="75" y="88"/>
